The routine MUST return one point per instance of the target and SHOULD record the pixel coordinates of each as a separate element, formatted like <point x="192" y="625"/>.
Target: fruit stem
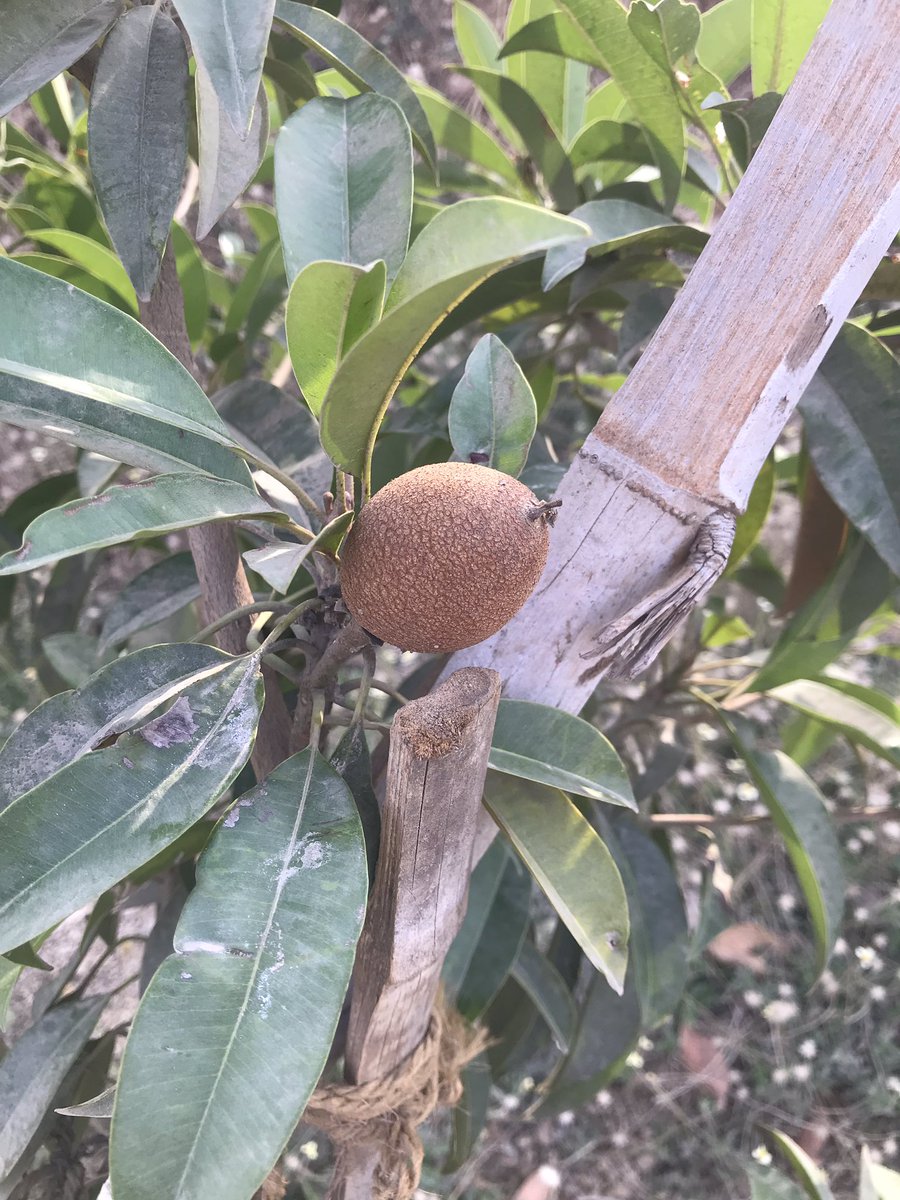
<point x="545" y="509"/>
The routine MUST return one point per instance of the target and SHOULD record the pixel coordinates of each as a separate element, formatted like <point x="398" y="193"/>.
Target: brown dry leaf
<point x="542" y="1185"/>
<point x="813" y="1137"/>
<point x="706" y="1062"/>
<point x="740" y="946"/>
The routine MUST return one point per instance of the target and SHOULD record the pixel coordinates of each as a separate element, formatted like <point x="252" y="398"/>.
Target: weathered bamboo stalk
<point x="435" y="775"/>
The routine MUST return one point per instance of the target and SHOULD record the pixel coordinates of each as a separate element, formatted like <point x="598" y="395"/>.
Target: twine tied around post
<point x="388" y="1111"/>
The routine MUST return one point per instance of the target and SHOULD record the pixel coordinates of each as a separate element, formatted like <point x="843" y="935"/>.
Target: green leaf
<point x="768" y="1184"/>
<point x="228" y="162"/>
<point x="100" y="1106"/>
<point x="33" y="1070"/>
<point x="9" y="976"/>
<point x="330" y="306"/>
<point x="40" y="40"/>
<point x="101" y="381"/>
<point x="558" y="85"/>
<point x="781" y="33"/>
<point x="113" y="809"/>
<point x="357" y="60"/>
<point x="724" y="43"/>
<point x="137" y="137"/>
<point x="552" y="33"/>
<point x="27" y="956"/>
<point x="192" y="276"/>
<point x="229" y="40"/>
<point x="133" y="510"/>
<point x="343" y="183"/>
<point x="811" y="1176"/>
<point x="541" y="981"/>
<point x="801" y="818"/>
<point x="470" y="1113"/>
<point x="462" y="246"/>
<point x="535" y="130"/>
<point x="457" y="133"/>
<point x="101" y="263"/>
<point x="244" y="979"/>
<point x="852" y="401"/>
<point x="352" y="761"/>
<point x="860" y="722"/>
<point x="573" y="867"/>
<point x="157" y="593"/>
<point x="493" y="414"/>
<point x="73" y="656"/>
<point x="479" y="46"/>
<point x="753" y="518"/>
<point x="544" y="744"/>
<point x="279" y="562"/>
<point x="615" y="224"/>
<point x="482" y="954"/>
<point x="875" y="1181"/>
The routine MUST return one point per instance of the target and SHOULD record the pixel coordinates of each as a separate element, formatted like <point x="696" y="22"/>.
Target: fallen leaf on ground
<point x="705" y="1062"/>
<point x="741" y="946"/>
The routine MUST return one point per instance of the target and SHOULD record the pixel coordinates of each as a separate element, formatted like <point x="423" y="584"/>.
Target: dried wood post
<point x="435" y="776"/>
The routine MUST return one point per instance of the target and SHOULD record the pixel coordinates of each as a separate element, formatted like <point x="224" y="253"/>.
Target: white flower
<point x="861" y="913"/>
<point x="619" y="1139"/>
<point x="808" y="1048"/>
<point x="761" y="1155"/>
<point x="854" y="845"/>
<point x="38" y="453"/>
<point x="565" y="1118"/>
<point x="742" y="1094"/>
<point x="867" y="835"/>
<point x="722" y="806"/>
<point x="310" y="1150"/>
<point x="780" y="1076"/>
<point x="892" y="1083"/>
<point x="889" y="1147"/>
<point x="18" y="715"/>
<point x="875" y="1155"/>
<point x="645" y="1044"/>
<point x="801" y="1072"/>
<point x="707" y="733"/>
<point x="635" y="1060"/>
<point x="746" y="792"/>
<point x="891" y="830"/>
<point x="604" y="1098"/>
<point x="880" y="940"/>
<point x="678" y="843"/>
<point x="527" y="1084"/>
<point x="735" y="765"/>
<point x="753" y="999"/>
<point x="840" y="948"/>
<point x="785" y="989"/>
<point x="786" y="902"/>
<point x="510" y="1103"/>
<point x="779" y="1012"/>
<point x="829" y="984"/>
<point x="877" y="994"/>
<point x="868" y="959"/>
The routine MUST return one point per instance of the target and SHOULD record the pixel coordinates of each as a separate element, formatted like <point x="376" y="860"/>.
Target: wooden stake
<point x="435" y="777"/>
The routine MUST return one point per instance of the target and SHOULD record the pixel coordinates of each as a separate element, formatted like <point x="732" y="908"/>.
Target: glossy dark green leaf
<point x="330" y="306"/>
<point x="781" y="33"/>
<point x="40" y="40"/>
<point x="470" y="1113"/>
<point x="751" y="521"/>
<point x="27" y="956"/>
<point x="73" y="656"/>
<point x="132" y="510"/>
<point x="487" y="944"/>
<point x="33" y="1070"/>
<point x="163" y="589"/>
<point x="460" y="135"/>
<point x="137" y="137"/>
<point x="352" y="761"/>
<point x="540" y="980"/>
<point x="228" y="161"/>
<point x="343" y="183"/>
<point x="861" y="722"/>
<point x="279" y="562"/>
<point x="570" y="863"/>
<point x="535" y="741"/>
<point x="355" y="58"/>
<point x="553" y="33"/>
<point x="478" y="44"/>
<point x="91" y="255"/>
<point x="101" y="381"/>
<point x="112" y="809"/>
<point x="224" y="1011"/>
<point x="493" y="414"/>
<point x="464" y="244"/>
<point x="559" y="85"/>
<point x="229" y="40"/>
<point x="853" y="400"/>
<point x="535" y="130"/>
<point x="724" y="43"/>
<point x="799" y="813"/>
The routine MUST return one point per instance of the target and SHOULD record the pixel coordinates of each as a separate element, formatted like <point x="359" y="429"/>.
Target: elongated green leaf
<point x="617" y="141"/>
<point x="875" y="1181"/>
<point x="150" y="597"/>
<point x="852" y="716"/>
<point x="41" y="40"/>
<point x="192" y="277"/>
<point x="540" y="980"/>
<point x="799" y="813"/>
<point x="559" y="85"/>
<point x="110" y="810"/>
<point x="470" y="1114"/>
<point x="101" y="263"/>
<point x="126" y="511"/>
<point x="279" y="562"/>
<point x="751" y="521"/>
<point x="343" y="183"/>
<point x="9" y="976"/>
<point x="456" y="251"/>
<point x="811" y="1177"/>
<point x="34" y="1069"/>
<point x="228" y="161"/>
<point x="101" y="364"/>
<point x="493" y="414"/>
<point x="768" y="1184"/>
<point x="724" y="43"/>
<point x="535" y="130"/>
<point x="330" y="306"/>
<point x="553" y="33"/>
<point x="244" y="979"/>
<point x="100" y="1106"/>
<point x="229" y="40"/>
<point x="360" y="62"/>
<point x="487" y="944"/>
<point x="137" y="137"/>
<point x="535" y="741"/>
<point x="614" y="224"/>
<point x="781" y="33"/>
<point x="852" y="401"/>
<point x="572" y="866"/>
<point x="479" y="46"/>
<point x="457" y="133"/>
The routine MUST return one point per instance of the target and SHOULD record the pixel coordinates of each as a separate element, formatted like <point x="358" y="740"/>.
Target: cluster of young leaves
<point x="574" y="197"/>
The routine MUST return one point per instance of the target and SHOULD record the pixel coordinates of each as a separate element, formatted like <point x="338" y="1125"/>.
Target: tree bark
<point x="820" y="540"/>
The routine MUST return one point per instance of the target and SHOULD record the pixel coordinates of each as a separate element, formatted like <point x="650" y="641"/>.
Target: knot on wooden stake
<point x="389" y="1111"/>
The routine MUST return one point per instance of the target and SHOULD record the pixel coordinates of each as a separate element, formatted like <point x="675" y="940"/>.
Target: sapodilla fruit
<point x="443" y="556"/>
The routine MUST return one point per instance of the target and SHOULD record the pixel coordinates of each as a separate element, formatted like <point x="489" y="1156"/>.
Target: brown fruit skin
<point x="443" y="557"/>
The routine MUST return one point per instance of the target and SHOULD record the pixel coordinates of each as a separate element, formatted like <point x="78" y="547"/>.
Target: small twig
<point x="350" y="685"/>
<point x="258" y="606"/>
<point x="287" y="621"/>
<point x="845" y="816"/>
